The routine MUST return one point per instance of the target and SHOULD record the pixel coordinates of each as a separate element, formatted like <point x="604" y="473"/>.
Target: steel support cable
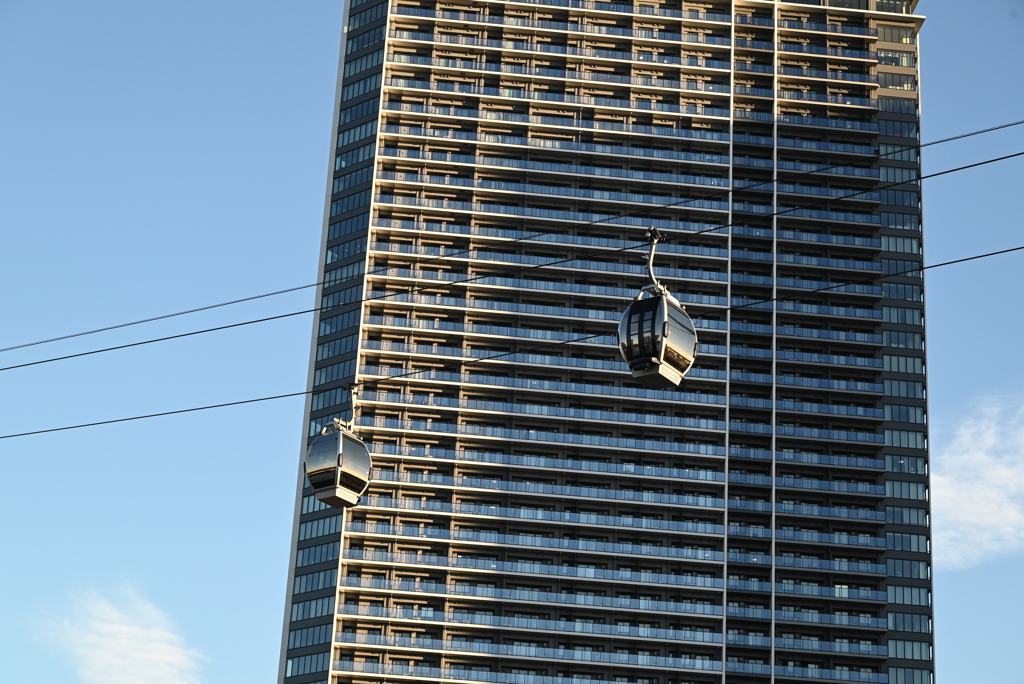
<point x="426" y="370"/>
<point x="681" y="203"/>
<point x="277" y="396"/>
<point x="518" y="270"/>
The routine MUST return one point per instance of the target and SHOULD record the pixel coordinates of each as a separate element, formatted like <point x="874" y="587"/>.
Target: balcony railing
<point x="827" y="51"/>
<point x="471" y="136"/>
<point x="837" y="435"/>
<point x="830" y="123"/>
<point x="431" y="673"/>
<point x="826" y="619"/>
<point x="828" y="538"/>
<point x="511" y="651"/>
<point x="828" y="485"/>
<point x="832" y="675"/>
<point x="561" y="464"/>
<point x="537" y="568"/>
<point x="508" y="408"/>
<point x="533" y="189"/>
<point x="831" y="75"/>
<point x="560" y="74"/>
<point x="831" y="592"/>
<point x="831" y="565"/>
<point x="648" y="34"/>
<point x="540" y="95"/>
<point x="463" y="113"/>
<point x="537" y="515"/>
<point x="494" y="538"/>
<point x="555" y="214"/>
<point x="825" y="97"/>
<point x="493" y="484"/>
<point x="673" y="178"/>
<point x="828" y="28"/>
<point x="531" y="596"/>
<point x="543" y="436"/>
<point x="525" y="46"/>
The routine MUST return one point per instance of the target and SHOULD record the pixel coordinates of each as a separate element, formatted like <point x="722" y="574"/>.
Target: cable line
<point x="276" y="396"/>
<point x="519" y="270"/>
<point x="424" y="370"/>
<point x="529" y="237"/>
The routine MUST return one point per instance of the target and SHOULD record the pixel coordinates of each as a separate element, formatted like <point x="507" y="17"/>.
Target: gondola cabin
<point x="657" y="340"/>
<point x="338" y="468"/>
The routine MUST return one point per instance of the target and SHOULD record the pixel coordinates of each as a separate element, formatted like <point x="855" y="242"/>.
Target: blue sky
<point x="160" y="156"/>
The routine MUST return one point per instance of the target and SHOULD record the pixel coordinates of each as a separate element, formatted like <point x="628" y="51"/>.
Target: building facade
<point x="536" y="515"/>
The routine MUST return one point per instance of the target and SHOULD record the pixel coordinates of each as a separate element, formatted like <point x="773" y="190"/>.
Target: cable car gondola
<point x="657" y="339"/>
<point x="338" y="466"/>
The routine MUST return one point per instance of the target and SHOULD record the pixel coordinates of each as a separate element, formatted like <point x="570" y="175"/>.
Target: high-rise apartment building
<point x="540" y="516"/>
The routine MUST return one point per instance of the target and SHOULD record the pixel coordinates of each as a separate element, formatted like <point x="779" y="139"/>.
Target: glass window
<point x="353" y="156"/>
<point x="897" y="58"/>
<point x="897" y="105"/>
<point x="367" y="62"/>
<point x="900" y="222"/>
<point x="358" y="42"/>
<point x="897" y="34"/>
<point x="366" y="16"/>
<point x="897" y="81"/>
<point x="898" y="129"/>
<point x="898" y="153"/>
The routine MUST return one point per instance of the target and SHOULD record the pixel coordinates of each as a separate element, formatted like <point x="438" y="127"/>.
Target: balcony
<point x="524" y="46"/>
<point x="830" y="512"/>
<point x="542" y="285"/>
<point x="529" y="568"/>
<point x="829" y="485"/>
<point x="828" y="99"/>
<point x="831" y="435"/>
<point x="432" y="673"/>
<point x="827" y="28"/>
<point x="463" y="114"/>
<point x="562" y="27"/>
<point x="831" y="592"/>
<point x="831" y="239"/>
<point x="827" y="51"/>
<point x="831" y="675"/>
<point x="536" y="212"/>
<point x="584" y="600"/>
<point x="495" y="484"/>
<point x="829" y="75"/>
<point x="528" y="652"/>
<point x="829" y="538"/>
<point x="831" y="647"/>
<point x="855" y="171"/>
<point x="560" y="464"/>
<point x="533" y="189"/>
<point x="534" y="514"/>
<point x="544" y="96"/>
<point x="830" y="409"/>
<point x="829" y="123"/>
<point x="463" y="66"/>
<point x="828" y="565"/>
<point x="827" y="619"/>
<point x="492" y="538"/>
<point x="575" y="170"/>
<point x="691" y="15"/>
<point x="754" y="44"/>
<point x="435" y="427"/>
<point x="824" y="459"/>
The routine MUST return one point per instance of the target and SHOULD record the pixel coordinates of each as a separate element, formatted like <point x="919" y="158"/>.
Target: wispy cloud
<point x="125" y="639"/>
<point x="978" y="487"/>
